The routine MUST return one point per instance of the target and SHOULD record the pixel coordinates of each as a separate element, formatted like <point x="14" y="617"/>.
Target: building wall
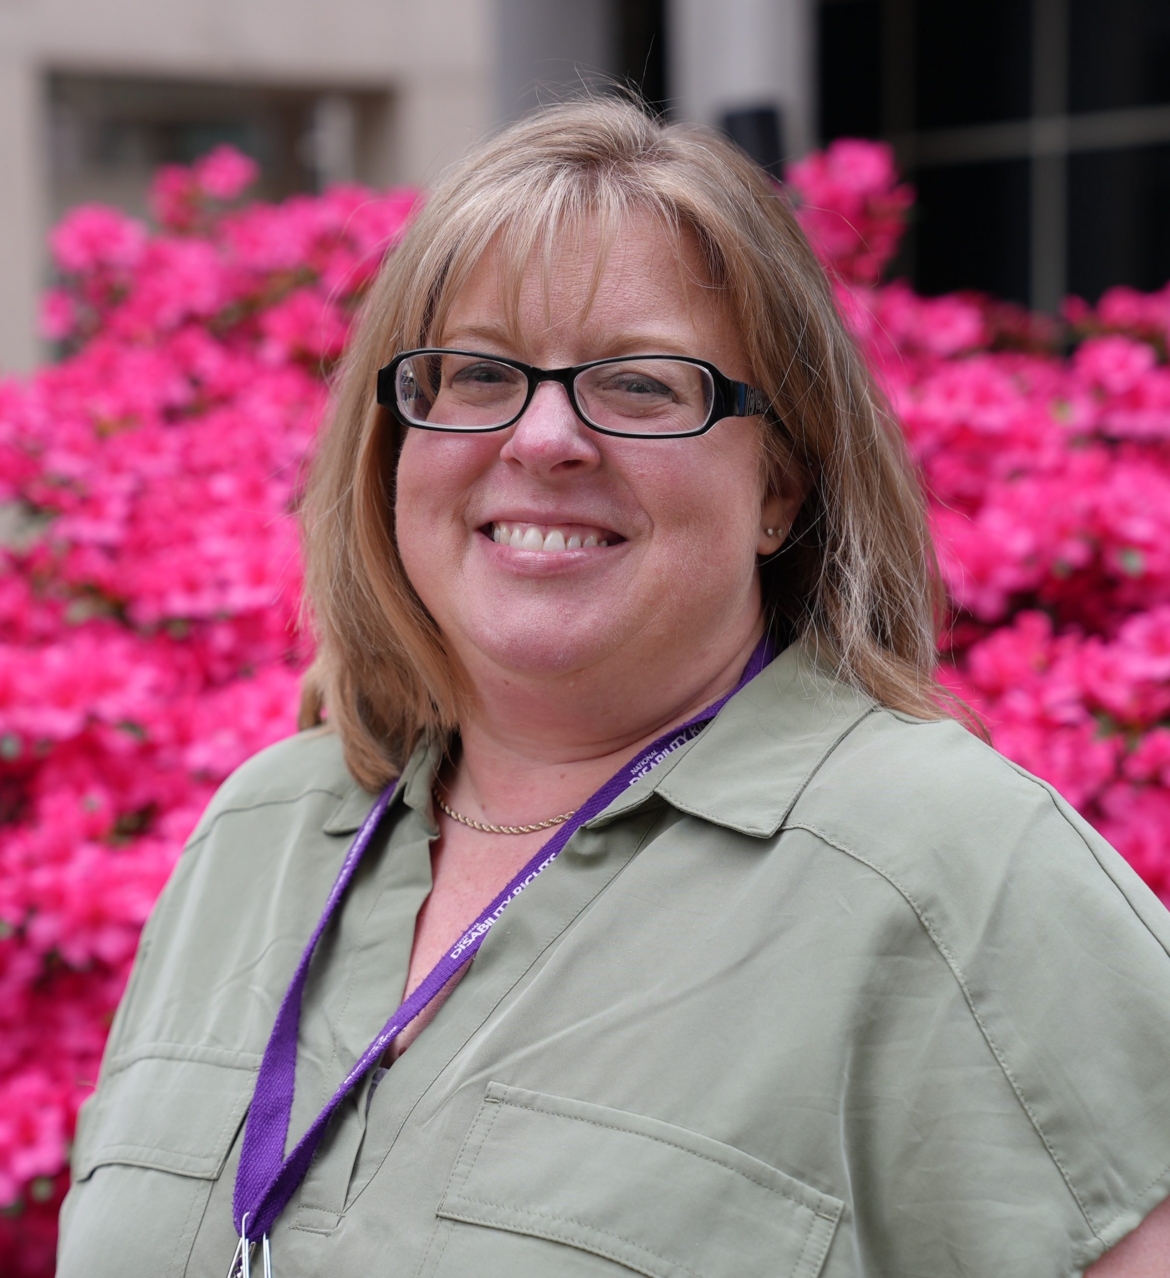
<point x="430" y="63"/>
<point x="741" y="54"/>
<point x="546" y="48"/>
<point x="417" y="80"/>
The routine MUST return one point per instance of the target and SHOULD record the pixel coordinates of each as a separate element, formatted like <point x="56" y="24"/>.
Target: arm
<point x="1143" y="1254"/>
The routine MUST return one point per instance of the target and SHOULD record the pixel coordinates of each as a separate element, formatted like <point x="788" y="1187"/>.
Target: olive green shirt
<point x="831" y="991"/>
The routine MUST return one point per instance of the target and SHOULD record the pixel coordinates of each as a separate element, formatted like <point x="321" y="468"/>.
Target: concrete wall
<point x="727" y="55"/>
<point x="24" y="202"/>
<point x="433" y="58"/>
<point x="546" y="48"/>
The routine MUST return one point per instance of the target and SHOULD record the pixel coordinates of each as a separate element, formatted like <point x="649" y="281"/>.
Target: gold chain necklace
<point x="486" y="828"/>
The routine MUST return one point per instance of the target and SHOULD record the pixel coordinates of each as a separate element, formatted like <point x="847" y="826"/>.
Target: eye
<point x="483" y="373"/>
<point x="638" y="384"/>
<point x="630" y="383"/>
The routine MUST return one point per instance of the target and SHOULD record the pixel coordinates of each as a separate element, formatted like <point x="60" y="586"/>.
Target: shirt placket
<point x="362" y="1169"/>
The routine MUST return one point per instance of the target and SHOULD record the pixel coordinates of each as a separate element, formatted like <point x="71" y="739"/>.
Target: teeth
<point x="530" y="537"/>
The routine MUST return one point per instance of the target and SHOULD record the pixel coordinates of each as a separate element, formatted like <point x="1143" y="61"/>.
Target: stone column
<point x="736" y="55"/>
<point x="23" y="163"/>
<point x="547" y="48"/>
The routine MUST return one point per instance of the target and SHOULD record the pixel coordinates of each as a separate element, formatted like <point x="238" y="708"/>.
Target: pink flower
<point x="58" y="317"/>
<point x="174" y="197"/>
<point x="1136" y="820"/>
<point x="851" y="207"/>
<point x="225" y="173"/>
<point x="303" y="325"/>
<point x="94" y="237"/>
<point x="32" y="1131"/>
<point x="1114" y="364"/>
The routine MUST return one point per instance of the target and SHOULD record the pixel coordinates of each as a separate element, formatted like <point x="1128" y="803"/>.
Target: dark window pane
<point x="1119" y="53"/>
<point x="850" y="69"/>
<point x="1119" y="219"/>
<point x="108" y="134"/>
<point x="642" y="48"/>
<point x="972" y="61"/>
<point x="971" y="229"/>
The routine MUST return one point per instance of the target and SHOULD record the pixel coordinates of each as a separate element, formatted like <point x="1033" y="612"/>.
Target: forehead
<point x="591" y="276"/>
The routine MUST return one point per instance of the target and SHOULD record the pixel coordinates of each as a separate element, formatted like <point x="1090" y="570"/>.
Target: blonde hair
<point x="857" y="574"/>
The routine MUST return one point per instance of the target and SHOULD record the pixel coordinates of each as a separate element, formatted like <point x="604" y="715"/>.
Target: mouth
<point x="549" y="539"/>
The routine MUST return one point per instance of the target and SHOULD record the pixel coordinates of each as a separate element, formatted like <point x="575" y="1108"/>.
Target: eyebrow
<point x="631" y="343"/>
<point x="480" y="332"/>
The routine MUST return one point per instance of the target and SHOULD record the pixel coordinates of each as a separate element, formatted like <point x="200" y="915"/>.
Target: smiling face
<point x="547" y="549"/>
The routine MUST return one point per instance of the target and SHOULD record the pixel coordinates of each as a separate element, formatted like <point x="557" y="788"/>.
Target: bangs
<point x="537" y="224"/>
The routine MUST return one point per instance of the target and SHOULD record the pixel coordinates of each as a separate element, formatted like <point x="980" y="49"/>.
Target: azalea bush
<point x="150" y="573"/>
<point x="149" y="593"/>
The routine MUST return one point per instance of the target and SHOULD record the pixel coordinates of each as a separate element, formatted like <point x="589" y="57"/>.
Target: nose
<point x="550" y="438"/>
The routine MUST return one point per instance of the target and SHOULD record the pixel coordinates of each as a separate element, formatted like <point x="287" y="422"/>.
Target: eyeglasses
<point x="631" y="395"/>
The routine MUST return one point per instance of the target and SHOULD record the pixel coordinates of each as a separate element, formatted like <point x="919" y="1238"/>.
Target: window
<point x="1037" y="132"/>
<point x="109" y="135"/>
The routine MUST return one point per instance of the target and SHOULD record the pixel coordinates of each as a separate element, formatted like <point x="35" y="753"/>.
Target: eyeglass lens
<point x="646" y="396"/>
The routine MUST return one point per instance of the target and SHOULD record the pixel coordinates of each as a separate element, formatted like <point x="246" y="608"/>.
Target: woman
<point x="625" y="609"/>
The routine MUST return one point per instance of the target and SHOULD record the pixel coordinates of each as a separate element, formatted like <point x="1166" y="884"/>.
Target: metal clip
<point x="241" y="1266"/>
<point x="266" y="1254"/>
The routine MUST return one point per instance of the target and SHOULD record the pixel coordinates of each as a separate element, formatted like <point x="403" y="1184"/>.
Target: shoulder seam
<point x="235" y="809"/>
<point x="1051" y="795"/>
<point x="961" y="980"/>
<point x="846" y="732"/>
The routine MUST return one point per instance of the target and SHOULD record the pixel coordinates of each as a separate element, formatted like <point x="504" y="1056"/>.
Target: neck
<point x="531" y="748"/>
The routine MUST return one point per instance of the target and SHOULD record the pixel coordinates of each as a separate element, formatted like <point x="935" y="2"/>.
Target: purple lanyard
<point x="266" y="1179"/>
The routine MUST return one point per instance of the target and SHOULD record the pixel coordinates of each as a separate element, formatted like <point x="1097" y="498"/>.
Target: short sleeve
<point x="1074" y="992"/>
<point x="1054" y="979"/>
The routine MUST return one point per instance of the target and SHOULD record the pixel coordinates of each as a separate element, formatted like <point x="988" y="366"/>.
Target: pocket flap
<point x="659" y="1199"/>
<point x="173" y="1108"/>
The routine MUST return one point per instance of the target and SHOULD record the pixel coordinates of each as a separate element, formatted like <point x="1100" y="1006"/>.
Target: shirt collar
<point x="415" y="791"/>
<point x="744" y="771"/>
<point x="748" y="767"/>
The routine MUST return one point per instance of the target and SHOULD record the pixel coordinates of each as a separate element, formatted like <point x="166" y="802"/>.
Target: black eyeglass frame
<point x="730" y="398"/>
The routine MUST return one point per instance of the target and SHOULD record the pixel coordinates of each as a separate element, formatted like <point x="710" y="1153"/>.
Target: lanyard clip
<point x="241" y="1266"/>
<point x="240" y="1260"/>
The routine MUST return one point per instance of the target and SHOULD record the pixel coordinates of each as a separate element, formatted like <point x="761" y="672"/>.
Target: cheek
<point x="435" y="476"/>
<point x="426" y="463"/>
<point x="712" y="500"/>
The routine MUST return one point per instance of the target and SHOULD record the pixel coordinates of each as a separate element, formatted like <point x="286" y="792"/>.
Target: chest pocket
<point x="166" y="1109"/>
<point x="631" y="1191"/>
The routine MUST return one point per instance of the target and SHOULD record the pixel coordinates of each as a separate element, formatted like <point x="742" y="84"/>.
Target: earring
<point x="769" y="532"/>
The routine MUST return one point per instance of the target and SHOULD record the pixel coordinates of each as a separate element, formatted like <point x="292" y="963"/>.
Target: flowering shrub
<point x="149" y="583"/>
<point x="149" y="570"/>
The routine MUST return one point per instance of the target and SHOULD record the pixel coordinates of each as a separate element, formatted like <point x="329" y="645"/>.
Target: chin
<point x="542" y="646"/>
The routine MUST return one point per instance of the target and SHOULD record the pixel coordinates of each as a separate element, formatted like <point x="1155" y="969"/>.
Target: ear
<point x="777" y="514"/>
